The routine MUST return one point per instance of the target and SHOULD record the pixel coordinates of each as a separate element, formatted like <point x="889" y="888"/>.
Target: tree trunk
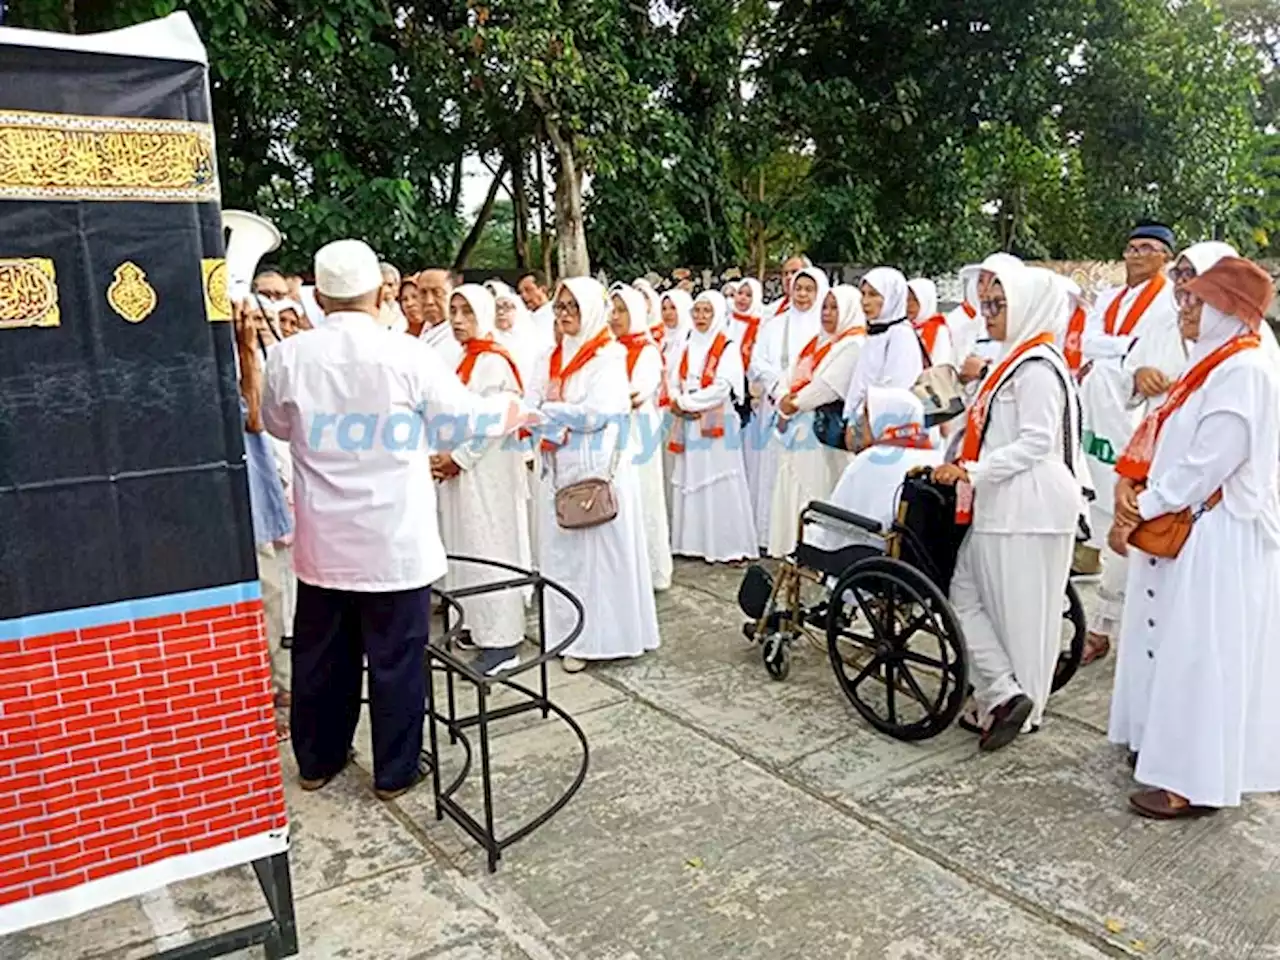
<point x="544" y="235"/>
<point x="477" y="228"/>
<point x="520" y="204"/>
<point x="455" y="188"/>
<point x="571" y="237"/>
<point x="716" y="265"/>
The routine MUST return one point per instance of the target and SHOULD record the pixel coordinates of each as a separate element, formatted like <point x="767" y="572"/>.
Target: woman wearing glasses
<point x="1202" y="716"/>
<point x="1017" y="475"/>
<point x="585" y="396"/>
<point x="1131" y="353"/>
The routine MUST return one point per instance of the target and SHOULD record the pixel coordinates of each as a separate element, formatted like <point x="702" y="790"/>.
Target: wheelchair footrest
<point x="754" y="591"/>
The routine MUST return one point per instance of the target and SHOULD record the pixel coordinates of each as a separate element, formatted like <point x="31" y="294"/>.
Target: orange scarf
<point x="557" y="377"/>
<point x="1152" y="290"/>
<point x="1135" y="462"/>
<point x="659" y="332"/>
<point x="471" y="353"/>
<point x="928" y="332"/>
<point x="635" y="344"/>
<point x="977" y="417"/>
<point x="712" y="421"/>
<point x="970" y="311"/>
<point x="748" y="345"/>
<point x="812" y="355"/>
<point x="905" y="435"/>
<point x="1073" y="346"/>
<point x="783" y="307"/>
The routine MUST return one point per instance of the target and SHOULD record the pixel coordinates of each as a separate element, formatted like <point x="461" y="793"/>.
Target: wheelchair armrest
<point x="844" y="516"/>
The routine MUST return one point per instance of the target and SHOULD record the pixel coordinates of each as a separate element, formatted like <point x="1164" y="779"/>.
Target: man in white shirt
<point x="435" y="288"/>
<point x="533" y="291"/>
<point x="359" y="408"/>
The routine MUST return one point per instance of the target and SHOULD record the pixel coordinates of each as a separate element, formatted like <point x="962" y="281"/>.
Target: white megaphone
<point x="252" y="238"/>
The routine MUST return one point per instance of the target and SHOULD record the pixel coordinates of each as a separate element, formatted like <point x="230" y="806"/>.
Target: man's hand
<point x="788" y="405"/>
<point x="247" y="318"/>
<point x="949" y="474"/>
<point x="972" y="368"/>
<point x="443" y="467"/>
<point x="1150" y="382"/>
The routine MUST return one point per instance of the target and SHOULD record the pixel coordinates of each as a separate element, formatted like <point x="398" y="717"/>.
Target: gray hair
<point x="389" y="272"/>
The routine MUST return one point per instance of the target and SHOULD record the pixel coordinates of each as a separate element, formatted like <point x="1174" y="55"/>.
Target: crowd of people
<point x="594" y="433"/>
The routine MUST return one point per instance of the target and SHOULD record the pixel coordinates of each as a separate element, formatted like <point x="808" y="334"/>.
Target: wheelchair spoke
<point x="915" y="687"/>
<point x="891" y="691"/>
<point x="866" y="671"/>
<point x="869" y="613"/>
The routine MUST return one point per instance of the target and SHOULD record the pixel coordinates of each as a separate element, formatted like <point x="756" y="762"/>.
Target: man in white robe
<point x="781" y="338"/>
<point x="1132" y="352"/>
<point x="483" y="491"/>
<point x="532" y="288"/>
<point x="435" y="288"/>
<point x="1199" y="708"/>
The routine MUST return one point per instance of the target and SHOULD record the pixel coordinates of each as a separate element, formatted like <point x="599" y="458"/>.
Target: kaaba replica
<point x="137" y="741"/>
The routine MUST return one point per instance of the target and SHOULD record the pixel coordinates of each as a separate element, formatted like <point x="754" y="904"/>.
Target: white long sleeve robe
<point x="646" y="436"/>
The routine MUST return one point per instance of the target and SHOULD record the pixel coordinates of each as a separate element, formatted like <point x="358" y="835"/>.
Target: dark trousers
<point x="332" y="630"/>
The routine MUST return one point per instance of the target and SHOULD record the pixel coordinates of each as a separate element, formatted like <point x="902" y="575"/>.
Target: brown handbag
<point x="1165" y="535"/>
<point x="587" y="503"/>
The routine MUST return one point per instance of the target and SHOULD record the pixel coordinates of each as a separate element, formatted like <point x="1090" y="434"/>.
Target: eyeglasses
<point x="992" y="308"/>
<point x="1182" y="274"/>
<point x="1185" y="299"/>
<point x="1143" y="250"/>
<point x="562" y="309"/>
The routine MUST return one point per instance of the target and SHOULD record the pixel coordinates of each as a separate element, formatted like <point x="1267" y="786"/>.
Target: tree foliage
<point x="729" y="132"/>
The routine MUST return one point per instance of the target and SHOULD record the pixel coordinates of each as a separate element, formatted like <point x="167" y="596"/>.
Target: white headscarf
<point x="1216" y="328"/>
<point x="1036" y="303"/>
<point x="651" y="298"/>
<point x="757" y="297"/>
<point x="1202" y="256"/>
<point x="893" y="411"/>
<point x="482" y="305"/>
<point x="593" y="310"/>
<point x="496" y="287"/>
<point x="637" y="308"/>
<point x="674" y="338"/>
<point x="524" y="340"/>
<point x="848" y="317"/>
<point x="813" y="316"/>
<point x="892" y="286"/>
<point x="926" y="292"/>
<point x="699" y="345"/>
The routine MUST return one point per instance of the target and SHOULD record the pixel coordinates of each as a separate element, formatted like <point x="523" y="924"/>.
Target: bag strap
<point x="613" y="463"/>
<point x="1068" y="447"/>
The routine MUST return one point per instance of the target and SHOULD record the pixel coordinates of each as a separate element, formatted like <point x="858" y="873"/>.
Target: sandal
<point x="283" y="700"/>
<point x="1166" y="805"/>
<point x="282" y="726"/>
<point x="1096" y="647"/>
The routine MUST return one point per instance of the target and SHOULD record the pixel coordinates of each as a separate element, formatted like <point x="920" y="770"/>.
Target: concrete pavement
<point x="729" y="816"/>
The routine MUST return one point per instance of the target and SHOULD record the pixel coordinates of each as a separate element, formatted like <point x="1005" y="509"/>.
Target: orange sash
<point x="969" y="309"/>
<point x="712" y="421"/>
<point x="812" y="355"/>
<point x="557" y="377"/>
<point x="783" y="307"/>
<point x="472" y="351"/>
<point x="977" y="417"/>
<point x="1073" y="345"/>
<point x="659" y="332"/>
<point x="1135" y="462"/>
<point x="1149" y="293"/>
<point x="635" y="344"/>
<point x="749" y="338"/>
<point x="928" y="332"/>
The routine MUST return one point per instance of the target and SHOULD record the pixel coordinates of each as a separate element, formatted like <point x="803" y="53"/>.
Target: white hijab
<point x="1202" y="256"/>
<point x="1216" y="328"/>
<point x="813" y="316"/>
<point x="1036" y="303"/>
<point x="593" y="310"/>
<point x="524" y="340"/>
<point x="757" y="297"/>
<point x="482" y="305"/>
<point x="637" y="309"/>
<point x="699" y="345"/>
<point x="926" y="293"/>
<point x="892" y="286"/>
<point x="651" y="298"/>
<point x="674" y="338"/>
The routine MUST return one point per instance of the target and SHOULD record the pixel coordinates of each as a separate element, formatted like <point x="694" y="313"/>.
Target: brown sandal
<point x="1096" y="647"/>
<point x="1166" y="805"/>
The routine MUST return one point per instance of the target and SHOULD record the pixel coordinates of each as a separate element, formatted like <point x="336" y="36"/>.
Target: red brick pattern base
<point x="127" y="743"/>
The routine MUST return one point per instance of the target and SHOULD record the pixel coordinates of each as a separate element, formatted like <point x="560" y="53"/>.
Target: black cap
<point x="1151" y="230"/>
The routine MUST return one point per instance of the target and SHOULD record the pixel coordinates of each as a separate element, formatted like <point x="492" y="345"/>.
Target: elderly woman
<point x="483" y="491"/>
<point x="1199" y="708"/>
<point x="711" y="514"/>
<point x="807" y="468"/>
<point x="892" y="356"/>
<point x="629" y="323"/>
<point x="1017" y="468"/>
<point x="585" y="396"/>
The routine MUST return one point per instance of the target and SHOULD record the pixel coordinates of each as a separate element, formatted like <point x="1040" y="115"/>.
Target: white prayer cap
<point x="346" y="269"/>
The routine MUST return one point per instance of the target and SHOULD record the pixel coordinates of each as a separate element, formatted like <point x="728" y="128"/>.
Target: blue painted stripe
<point x="124" y="611"/>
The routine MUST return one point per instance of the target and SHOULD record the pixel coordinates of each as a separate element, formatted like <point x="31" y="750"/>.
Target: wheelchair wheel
<point x="776" y="653"/>
<point x="890" y="624"/>
<point x="1074" y="632"/>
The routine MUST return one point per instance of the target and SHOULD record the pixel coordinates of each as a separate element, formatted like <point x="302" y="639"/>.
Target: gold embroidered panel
<point x="55" y="156"/>
<point x="217" y="303"/>
<point x="28" y="293"/>
<point x="130" y="295"/>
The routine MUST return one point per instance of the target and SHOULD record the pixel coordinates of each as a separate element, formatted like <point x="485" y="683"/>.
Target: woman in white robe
<point x="711" y="515"/>
<point x="630" y="325"/>
<point x="676" y="312"/>
<point x="1017" y="467"/>
<point x="930" y="326"/>
<point x="586" y="399"/>
<point x="782" y="339"/>
<point x="746" y="323"/>
<point x="1195" y="689"/>
<point x="895" y="442"/>
<point x="483" y="491"/>
<point x="892" y="355"/>
<point x="807" y="468"/>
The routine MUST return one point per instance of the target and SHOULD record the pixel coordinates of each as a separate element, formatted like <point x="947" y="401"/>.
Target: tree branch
<point x="477" y="228"/>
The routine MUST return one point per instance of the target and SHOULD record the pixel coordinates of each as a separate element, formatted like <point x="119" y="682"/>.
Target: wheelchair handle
<point x="844" y="516"/>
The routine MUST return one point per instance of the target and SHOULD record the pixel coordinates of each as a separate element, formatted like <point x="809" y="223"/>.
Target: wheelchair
<point x="894" y="642"/>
